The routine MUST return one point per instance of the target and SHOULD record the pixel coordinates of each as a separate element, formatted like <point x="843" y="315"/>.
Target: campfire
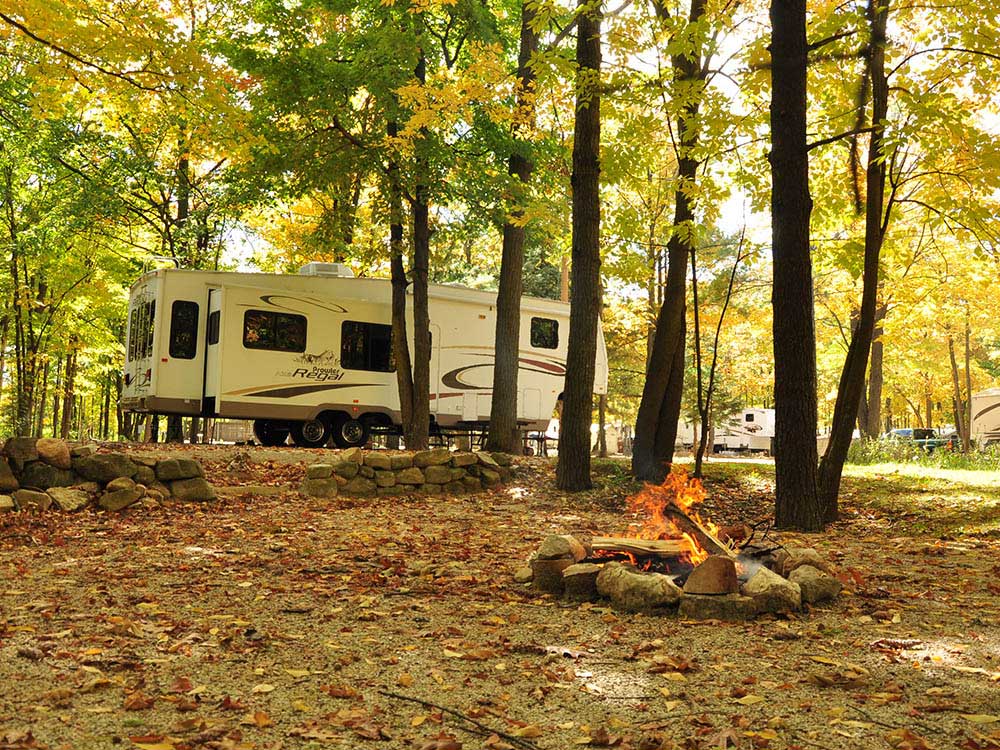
<point x="671" y="537"/>
<point x="670" y="556"/>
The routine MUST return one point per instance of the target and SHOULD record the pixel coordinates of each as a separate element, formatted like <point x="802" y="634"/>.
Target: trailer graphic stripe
<point x="292" y="391"/>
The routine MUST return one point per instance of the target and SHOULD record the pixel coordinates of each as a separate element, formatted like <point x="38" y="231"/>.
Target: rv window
<point x="213" y="327"/>
<point x="150" y="317"/>
<point x="280" y="332"/>
<point x="544" y="333"/>
<point x="133" y="333"/>
<point x="183" y="329"/>
<point x="366" y="346"/>
<point x="748" y="418"/>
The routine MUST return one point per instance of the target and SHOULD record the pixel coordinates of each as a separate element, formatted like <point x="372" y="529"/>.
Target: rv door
<point x="213" y="355"/>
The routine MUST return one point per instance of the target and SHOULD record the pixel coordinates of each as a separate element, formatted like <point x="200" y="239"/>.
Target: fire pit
<point x="674" y="561"/>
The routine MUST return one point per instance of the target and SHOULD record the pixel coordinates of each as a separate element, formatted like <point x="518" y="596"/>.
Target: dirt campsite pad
<point x="267" y="620"/>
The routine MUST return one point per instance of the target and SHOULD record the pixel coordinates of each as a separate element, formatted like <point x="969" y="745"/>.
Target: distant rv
<point x="309" y="355"/>
<point x="750" y="430"/>
<point x="986" y="417"/>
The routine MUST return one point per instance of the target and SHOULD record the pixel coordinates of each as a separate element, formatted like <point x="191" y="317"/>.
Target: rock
<point x="195" y="488"/>
<point x="458" y="460"/>
<point x="378" y="460"/>
<point x="119" y="499"/>
<point x="6" y="503"/>
<point x="385" y="479"/>
<point x="434" y="457"/>
<point x="490" y="477"/>
<point x="54" y="452"/>
<point x="8" y="482"/>
<point x="347" y="469"/>
<point x="354" y="455"/>
<point x="324" y="488"/>
<point x="32" y="500"/>
<point x="797" y="557"/>
<point x="634" y="591"/>
<point x="360" y="487"/>
<point x="728" y="607"/>
<point x="103" y="467"/>
<point x="559" y="546"/>
<point x="189" y="468"/>
<point x="319" y="471"/>
<point x="580" y="582"/>
<point x="400" y="461"/>
<point x="437" y="474"/>
<point x="42" y="475"/>
<point x="69" y="498"/>
<point x="168" y="470"/>
<point x="546" y="575"/>
<point x="715" y="575"/>
<point x="367" y="472"/>
<point x="395" y="490"/>
<point x="506" y="474"/>
<point x="91" y="488"/>
<point x="502" y="459"/>
<point x="120" y="483"/>
<point x="816" y="585"/>
<point x="457" y="475"/>
<point x="485" y="459"/>
<point x="472" y="483"/>
<point x="20" y="450"/>
<point x="413" y="475"/>
<point x="454" y="488"/>
<point x="155" y="495"/>
<point x="142" y="459"/>
<point x="523" y="574"/>
<point x="431" y="489"/>
<point x="145" y="475"/>
<point x="161" y="488"/>
<point x="772" y="593"/>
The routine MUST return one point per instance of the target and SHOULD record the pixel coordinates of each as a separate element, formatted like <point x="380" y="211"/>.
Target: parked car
<point x="922" y="437"/>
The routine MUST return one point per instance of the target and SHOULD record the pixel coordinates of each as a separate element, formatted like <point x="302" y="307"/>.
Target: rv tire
<point x="313" y="433"/>
<point x="270" y="433"/>
<point x="348" y="432"/>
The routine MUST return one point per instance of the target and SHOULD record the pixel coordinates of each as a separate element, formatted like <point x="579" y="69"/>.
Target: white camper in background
<point x="749" y="430"/>
<point x="309" y="354"/>
<point x="986" y="417"/>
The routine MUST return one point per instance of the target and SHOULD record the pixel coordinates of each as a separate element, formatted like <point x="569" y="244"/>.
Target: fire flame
<point x="652" y="504"/>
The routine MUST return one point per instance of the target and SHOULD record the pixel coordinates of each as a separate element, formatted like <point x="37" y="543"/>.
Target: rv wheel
<point x="349" y="433"/>
<point x="313" y="433"/>
<point x="269" y="433"/>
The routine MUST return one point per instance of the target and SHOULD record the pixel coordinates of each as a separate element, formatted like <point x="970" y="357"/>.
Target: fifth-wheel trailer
<point x="309" y="354"/>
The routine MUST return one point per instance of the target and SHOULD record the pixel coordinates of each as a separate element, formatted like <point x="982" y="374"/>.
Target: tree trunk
<point x="43" y="397"/>
<point x="400" y="343"/>
<point x="193" y="430"/>
<point x="602" y="422"/>
<point x="57" y="389"/>
<point x="957" y="392"/>
<point x="852" y="378"/>
<point x="967" y="415"/>
<point x="876" y="380"/>
<point x="69" y="390"/>
<point x="573" y="468"/>
<point x="795" y="450"/>
<point x="503" y="432"/>
<point x="660" y="406"/>
<point x="175" y="429"/>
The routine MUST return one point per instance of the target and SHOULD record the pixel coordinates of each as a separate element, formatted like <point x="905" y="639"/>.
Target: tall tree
<point x="573" y="468"/>
<point x="795" y="451"/>
<point x="503" y="433"/>
<point x="852" y="379"/>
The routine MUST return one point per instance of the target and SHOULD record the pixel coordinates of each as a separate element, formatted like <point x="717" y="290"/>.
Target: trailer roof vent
<point x="316" y="268"/>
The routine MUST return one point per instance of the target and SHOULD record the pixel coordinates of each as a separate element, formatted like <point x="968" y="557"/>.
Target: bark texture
<point x="573" y="468"/>
<point x="796" y="504"/>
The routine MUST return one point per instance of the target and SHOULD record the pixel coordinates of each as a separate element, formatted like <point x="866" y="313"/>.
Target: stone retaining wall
<point x="431" y="472"/>
<point x="41" y="473"/>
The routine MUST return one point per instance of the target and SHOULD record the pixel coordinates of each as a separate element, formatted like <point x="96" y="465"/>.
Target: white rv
<point x="750" y="430"/>
<point x="309" y="354"/>
<point x="986" y="417"/>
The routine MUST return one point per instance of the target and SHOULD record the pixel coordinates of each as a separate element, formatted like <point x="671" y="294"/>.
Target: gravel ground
<point x="266" y="620"/>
